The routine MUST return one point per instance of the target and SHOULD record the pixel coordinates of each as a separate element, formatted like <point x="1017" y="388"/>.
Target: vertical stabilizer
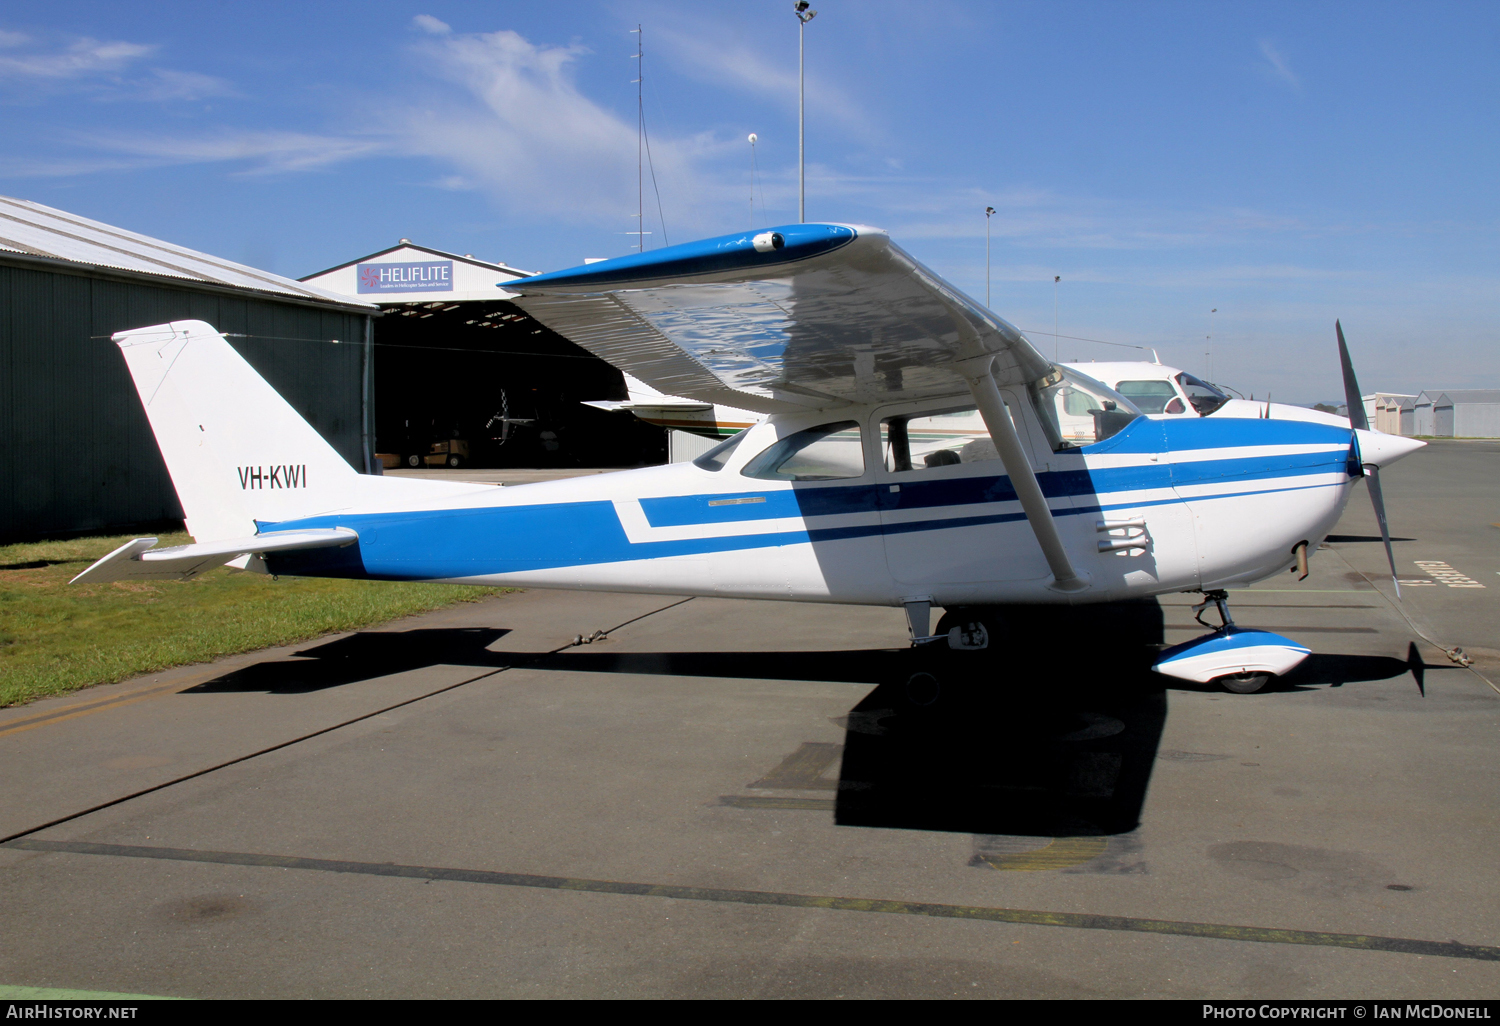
<point x="236" y="451"/>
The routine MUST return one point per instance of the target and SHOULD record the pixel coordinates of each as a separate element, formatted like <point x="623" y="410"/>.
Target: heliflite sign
<point x="422" y="276"/>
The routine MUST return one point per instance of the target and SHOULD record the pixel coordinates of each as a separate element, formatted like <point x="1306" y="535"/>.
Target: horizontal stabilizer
<point x="136" y="560"/>
<point x="665" y="406"/>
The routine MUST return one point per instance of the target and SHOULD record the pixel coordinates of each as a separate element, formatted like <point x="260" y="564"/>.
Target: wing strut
<point x="1018" y="467"/>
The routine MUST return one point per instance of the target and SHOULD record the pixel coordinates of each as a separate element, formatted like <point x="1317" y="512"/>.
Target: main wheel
<point x="1243" y="683"/>
<point x="922" y="689"/>
<point x="413" y="460"/>
<point x="979" y="630"/>
<point x="455" y="461"/>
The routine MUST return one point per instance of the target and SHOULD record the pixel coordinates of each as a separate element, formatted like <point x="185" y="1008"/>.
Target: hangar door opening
<point x="481" y="383"/>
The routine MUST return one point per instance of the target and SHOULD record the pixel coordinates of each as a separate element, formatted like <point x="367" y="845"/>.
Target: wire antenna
<point x="640" y="143"/>
<point x="643" y="149"/>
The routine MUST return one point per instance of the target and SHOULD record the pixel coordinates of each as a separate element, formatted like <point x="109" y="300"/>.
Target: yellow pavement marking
<point x="105" y="704"/>
<point x="8" y="993"/>
<point x="1060" y="853"/>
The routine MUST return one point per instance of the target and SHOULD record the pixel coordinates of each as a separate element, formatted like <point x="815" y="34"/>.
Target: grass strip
<point x="56" y="638"/>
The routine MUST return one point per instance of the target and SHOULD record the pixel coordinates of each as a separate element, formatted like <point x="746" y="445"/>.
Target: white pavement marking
<point x="1442" y="573"/>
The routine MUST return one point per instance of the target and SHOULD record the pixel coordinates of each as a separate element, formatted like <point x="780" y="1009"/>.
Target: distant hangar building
<point x="76" y="451"/>
<point x="1458" y="413"/>
<point x="463" y="376"/>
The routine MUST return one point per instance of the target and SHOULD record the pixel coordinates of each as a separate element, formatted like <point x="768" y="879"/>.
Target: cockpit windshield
<point x="1076" y="410"/>
<point x="1204" y="397"/>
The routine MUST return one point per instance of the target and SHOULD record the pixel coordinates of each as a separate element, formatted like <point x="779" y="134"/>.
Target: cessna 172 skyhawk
<point x="855" y="352"/>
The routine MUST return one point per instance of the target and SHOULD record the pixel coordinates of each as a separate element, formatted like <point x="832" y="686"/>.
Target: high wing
<point x="803" y="317"/>
<point x="800" y="317"/>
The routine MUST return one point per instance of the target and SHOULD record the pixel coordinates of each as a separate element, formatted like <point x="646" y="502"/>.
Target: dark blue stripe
<point x="828" y="500"/>
<point x="511" y="539"/>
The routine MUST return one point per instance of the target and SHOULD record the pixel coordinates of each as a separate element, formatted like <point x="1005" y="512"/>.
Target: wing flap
<point x="137" y="560"/>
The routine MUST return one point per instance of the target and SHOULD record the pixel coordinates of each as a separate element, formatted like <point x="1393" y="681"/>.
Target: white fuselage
<point x="1166" y="505"/>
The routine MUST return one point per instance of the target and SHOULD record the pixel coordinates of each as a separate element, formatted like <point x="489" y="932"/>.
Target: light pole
<point x="753" y="139"/>
<point x="1209" y="349"/>
<point x="1056" y="339"/>
<point x="988" y="211"/>
<point x="803" y="17"/>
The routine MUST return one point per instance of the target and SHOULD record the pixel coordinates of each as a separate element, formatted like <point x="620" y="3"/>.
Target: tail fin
<point x="236" y="451"/>
<point x="640" y="392"/>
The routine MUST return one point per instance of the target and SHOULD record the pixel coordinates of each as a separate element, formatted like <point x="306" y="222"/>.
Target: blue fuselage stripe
<point x="499" y="540"/>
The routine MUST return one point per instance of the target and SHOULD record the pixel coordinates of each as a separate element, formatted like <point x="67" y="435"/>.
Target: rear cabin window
<point x="1149" y="396"/>
<point x="942" y="439"/>
<point x="719" y="455"/>
<point x="828" y="452"/>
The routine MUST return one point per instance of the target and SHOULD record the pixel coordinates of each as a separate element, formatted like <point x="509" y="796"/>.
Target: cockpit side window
<point x="1076" y="410"/>
<point x="719" y="455"/>
<point x="1149" y="396"/>
<point x="941" y="438"/>
<point x="1204" y="397"/>
<point x="828" y="452"/>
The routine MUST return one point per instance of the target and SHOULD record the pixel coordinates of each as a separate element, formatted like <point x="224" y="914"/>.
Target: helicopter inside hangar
<point x="463" y="377"/>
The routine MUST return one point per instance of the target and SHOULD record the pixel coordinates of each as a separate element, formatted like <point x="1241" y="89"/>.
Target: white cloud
<point x="703" y="55"/>
<point x="80" y="59"/>
<point x="529" y="138"/>
<point x="427" y="23"/>
<point x="66" y="167"/>
<point x="166" y="84"/>
<point x="262" y="152"/>
<point x="1276" y="65"/>
<point x="108" y="70"/>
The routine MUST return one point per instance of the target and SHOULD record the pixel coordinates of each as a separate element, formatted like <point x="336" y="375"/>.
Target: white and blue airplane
<point x="858" y="356"/>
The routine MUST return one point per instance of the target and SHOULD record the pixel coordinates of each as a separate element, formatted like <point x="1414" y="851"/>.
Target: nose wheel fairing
<point x="1231" y="651"/>
<point x="1242" y="658"/>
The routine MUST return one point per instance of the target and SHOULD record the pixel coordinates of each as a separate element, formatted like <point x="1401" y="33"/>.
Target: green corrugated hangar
<point x="76" y="452"/>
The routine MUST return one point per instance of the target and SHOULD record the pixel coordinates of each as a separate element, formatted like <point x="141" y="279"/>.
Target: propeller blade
<point x="1357" y="418"/>
<point x="1372" y="482"/>
<point x="1360" y="422"/>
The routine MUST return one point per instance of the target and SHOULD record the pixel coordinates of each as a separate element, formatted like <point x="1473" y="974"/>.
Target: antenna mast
<point x="640" y="136"/>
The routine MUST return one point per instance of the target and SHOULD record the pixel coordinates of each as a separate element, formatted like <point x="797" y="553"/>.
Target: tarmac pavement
<point x="731" y="798"/>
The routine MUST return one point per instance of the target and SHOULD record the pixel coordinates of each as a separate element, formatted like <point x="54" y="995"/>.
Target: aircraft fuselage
<point x="1165" y="505"/>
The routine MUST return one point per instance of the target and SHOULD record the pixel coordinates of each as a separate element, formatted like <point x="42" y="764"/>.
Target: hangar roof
<point x="1479" y="396"/>
<point x="35" y="230"/>
<point x="1459" y="396"/>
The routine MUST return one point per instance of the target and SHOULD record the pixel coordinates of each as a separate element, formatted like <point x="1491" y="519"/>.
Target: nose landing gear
<point x="1241" y="660"/>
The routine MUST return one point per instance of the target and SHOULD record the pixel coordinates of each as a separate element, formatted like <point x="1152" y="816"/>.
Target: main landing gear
<point x="1241" y="660"/>
<point x="966" y="641"/>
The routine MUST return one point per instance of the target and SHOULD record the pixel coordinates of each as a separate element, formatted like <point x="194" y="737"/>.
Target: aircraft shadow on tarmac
<point x="364" y="656"/>
<point x="1048" y="737"/>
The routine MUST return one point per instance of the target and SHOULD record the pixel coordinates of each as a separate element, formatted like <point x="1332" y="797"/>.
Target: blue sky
<point x="1285" y="164"/>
